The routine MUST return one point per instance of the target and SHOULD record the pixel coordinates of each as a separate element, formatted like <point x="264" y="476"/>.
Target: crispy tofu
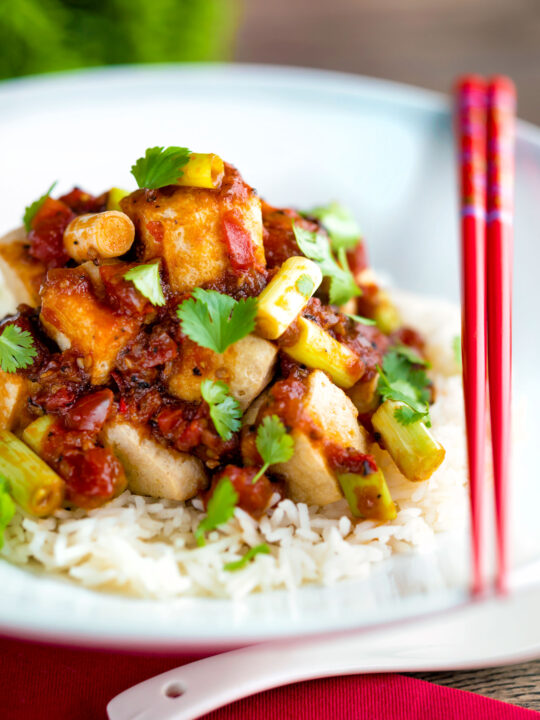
<point x="21" y="274"/>
<point x="308" y="475"/>
<point x="14" y="391"/>
<point x="74" y="317"/>
<point x="151" y="468"/>
<point x="186" y="227"/>
<point x="246" y="367"/>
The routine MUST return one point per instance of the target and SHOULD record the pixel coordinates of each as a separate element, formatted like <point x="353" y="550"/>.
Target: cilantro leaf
<point x="214" y="320"/>
<point x="147" y="281"/>
<point x="456" y="347"/>
<point x="406" y="415"/>
<point x="400" y="381"/>
<point x="411" y="355"/>
<point x="316" y="247"/>
<point x="7" y="508"/>
<point x="340" y="224"/>
<point x="16" y="349"/>
<point x="250" y="554"/>
<point x="362" y="320"/>
<point x="219" y="511"/>
<point x="224" y="409"/>
<point x="32" y="210"/>
<point x="273" y="444"/>
<point x="160" y="166"/>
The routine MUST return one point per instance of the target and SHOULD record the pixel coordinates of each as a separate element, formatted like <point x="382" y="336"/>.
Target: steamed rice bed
<point x="145" y="547"/>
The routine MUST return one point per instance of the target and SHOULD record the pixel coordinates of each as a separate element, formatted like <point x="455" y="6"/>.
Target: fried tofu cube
<point x="201" y="234"/>
<point x="151" y="468"/>
<point x="14" y="391"/>
<point x="308" y="474"/>
<point x="246" y="366"/>
<point x="74" y="317"/>
<point x="22" y="275"/>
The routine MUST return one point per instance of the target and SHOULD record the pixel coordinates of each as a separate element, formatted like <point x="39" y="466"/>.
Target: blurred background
<point x="423" y="42"/>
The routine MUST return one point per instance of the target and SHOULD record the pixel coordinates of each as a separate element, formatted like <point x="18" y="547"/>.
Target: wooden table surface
<point x="426" y="43"/>
<point x="422" y="42"/>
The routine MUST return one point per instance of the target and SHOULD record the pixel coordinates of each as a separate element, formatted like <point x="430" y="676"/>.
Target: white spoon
<point x="492" y="632"/>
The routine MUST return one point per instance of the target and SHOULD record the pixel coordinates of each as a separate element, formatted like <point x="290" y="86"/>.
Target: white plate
<point x="301" y="137"/>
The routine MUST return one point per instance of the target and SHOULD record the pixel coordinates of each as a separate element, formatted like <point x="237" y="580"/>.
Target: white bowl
<point x="301" y="137"/>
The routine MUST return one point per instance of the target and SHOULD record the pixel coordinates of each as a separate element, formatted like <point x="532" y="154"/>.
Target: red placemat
<point x="52" y="683"/>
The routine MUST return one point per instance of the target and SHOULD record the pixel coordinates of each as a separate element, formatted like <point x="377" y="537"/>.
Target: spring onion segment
<point x="113" y="198"/>
<point x="203" y="170"/>
<point x="412" y="447"/>
<point x="317" y="349"/>
<point x="35" y="433"/>
<point x="7" y="508"/>
<point x="34" y="486"/>
<point x="286" y="295"/>
<point x="368" y="495"/>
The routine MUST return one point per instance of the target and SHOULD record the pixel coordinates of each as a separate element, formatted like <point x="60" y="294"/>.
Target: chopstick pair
<point x="485" y="114"/>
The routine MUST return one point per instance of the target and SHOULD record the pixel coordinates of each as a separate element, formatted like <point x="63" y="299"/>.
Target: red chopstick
<point x="501" y="104"/>
<point x="471" y="137"/>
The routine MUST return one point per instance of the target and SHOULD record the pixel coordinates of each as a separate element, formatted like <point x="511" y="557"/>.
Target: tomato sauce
<point x="92" y="473"/>
<point x="238" y="241"/>
<point x="254" y="498"/>
<point x="46" y="235"/>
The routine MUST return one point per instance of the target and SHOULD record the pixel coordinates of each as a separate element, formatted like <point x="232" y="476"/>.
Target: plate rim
<point x="272" y="75"/>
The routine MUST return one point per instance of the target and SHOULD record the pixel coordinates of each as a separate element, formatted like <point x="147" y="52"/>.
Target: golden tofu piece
<point x="74" y="317"/>
<point x="151" y="468"/>
<point x="22" y="275"/>
<point x="14" y="391"/>
<point x="202" y="234"/>
<point x="308" y="474"/>
<point x="246" y="366"/>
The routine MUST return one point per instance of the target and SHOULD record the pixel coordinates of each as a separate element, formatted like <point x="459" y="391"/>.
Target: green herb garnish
<point x="219" y="511"/>
<point x="214" y="320"/>
<point x="17" y="349"/>
<point x="273" y="444"/>
<point x="32" y="210"/>
<point x="160" y="166"/>
<point x="316" y="247"/>
<point x="224" y="409"/>
<point x="362" y="320"/>
<point x="410" y="354"/>
<point x="340" y="224"/>
<point x="148" y="282"/>
<point x="400" y="381"/>
<point x="250" y="554"/>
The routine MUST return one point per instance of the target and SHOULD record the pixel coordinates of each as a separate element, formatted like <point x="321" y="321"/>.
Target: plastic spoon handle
<point x="496" y="631"/>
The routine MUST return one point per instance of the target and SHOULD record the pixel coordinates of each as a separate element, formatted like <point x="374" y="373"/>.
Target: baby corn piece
<point x="113" y="198"/>
<point x="204" y="170"/>
<point x="317" y="349"/>
<point x="412" y="447"/>
<point x="368" y="495"/>
<point x="286" y="295"/>
<point x="33" y="484"/>
<point x="35" y="433"/>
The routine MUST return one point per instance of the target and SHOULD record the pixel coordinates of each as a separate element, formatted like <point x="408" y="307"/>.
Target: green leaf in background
<point x="261" y="549"/>
<point x="49" y="35"/>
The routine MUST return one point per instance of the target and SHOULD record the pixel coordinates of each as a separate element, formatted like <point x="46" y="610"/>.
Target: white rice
<point x="146" y="547"/>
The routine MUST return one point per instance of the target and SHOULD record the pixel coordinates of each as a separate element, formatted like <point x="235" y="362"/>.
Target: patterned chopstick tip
<point x="501" y="108"/>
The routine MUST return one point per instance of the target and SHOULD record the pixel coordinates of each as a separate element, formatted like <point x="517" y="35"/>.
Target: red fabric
<point x="49" y="683"/>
